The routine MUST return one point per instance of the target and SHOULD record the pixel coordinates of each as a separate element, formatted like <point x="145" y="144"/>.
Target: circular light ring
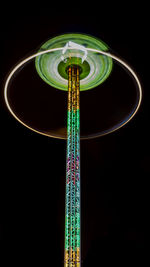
<point x="116" y="127"/>
<point x="51" y="70"/>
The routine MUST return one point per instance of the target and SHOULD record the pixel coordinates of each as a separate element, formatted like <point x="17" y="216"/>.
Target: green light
<point x="84" y="67"/>
<point x="94" y="70"/>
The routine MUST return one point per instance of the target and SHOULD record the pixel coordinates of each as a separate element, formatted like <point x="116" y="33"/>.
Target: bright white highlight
<point x="10" y="76"/>
<point x="71" y="44"/>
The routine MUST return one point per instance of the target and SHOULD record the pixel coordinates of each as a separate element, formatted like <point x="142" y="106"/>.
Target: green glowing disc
<point x="94" y="69"/>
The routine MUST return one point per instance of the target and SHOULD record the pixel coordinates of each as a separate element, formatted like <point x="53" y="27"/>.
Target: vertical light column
<point x="72" y="205"/>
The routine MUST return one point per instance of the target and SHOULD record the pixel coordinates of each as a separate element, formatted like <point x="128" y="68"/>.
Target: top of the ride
<point x="31" y="101"/>
<point x="52" y="67"/>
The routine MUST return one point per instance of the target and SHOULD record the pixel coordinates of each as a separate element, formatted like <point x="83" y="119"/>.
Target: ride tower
<point x="77" y="70"/>
<point x="74" y="63"/>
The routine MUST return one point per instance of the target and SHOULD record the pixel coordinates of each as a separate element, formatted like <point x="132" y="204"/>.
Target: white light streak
<point x="71" y="44"/>
<point x="10" y="76"/>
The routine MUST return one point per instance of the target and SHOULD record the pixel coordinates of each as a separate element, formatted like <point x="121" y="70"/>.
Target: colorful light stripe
<point x="72" y="212"/>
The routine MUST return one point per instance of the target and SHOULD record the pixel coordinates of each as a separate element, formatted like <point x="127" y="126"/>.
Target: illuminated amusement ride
<point x="73" y="63"/>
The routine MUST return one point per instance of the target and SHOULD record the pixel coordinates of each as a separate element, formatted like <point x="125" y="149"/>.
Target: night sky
<point x="115" y="169"/>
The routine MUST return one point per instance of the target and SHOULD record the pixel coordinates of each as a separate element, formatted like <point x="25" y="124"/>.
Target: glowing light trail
<point x="72" y="246"/>
<point x="118" y="126"/>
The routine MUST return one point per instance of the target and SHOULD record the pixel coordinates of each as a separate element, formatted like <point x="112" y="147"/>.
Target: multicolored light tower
<point x="65" y="70"/>
<point x="73" y="71"/>
<point x="72" y="205"/>
<point x="73" y="63"/>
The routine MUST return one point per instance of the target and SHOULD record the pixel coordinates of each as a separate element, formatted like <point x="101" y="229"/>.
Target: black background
<point x="114" y="169"/>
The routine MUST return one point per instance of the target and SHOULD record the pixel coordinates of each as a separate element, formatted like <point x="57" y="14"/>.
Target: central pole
<point x="72" y="205"/>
